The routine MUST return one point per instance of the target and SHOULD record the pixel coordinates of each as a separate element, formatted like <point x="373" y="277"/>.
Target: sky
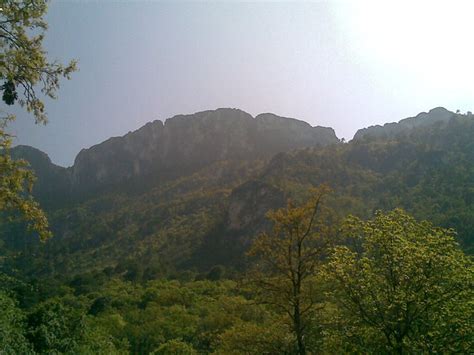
<point x="342" y="64"/>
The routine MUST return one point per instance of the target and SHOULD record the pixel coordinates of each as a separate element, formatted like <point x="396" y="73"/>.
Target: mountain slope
<point x="184" y="144"/>
<point x="210" y="215"/>
<point x="428" y="171"/>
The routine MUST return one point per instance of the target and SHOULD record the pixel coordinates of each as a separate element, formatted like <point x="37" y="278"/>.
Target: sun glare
<point x="430" y="40"/>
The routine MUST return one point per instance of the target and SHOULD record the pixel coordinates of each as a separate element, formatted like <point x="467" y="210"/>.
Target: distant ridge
<point x="390" y="130"/>
<point x="194" y="191"/>
<point x="185" y="143"/>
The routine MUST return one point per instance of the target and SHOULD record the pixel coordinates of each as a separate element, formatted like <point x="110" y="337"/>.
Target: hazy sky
<point x="341" y="64"/>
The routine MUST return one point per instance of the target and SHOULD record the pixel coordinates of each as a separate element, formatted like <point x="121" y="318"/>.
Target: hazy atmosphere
<point x="341" y="64"/>
<point x="236" y="178"/>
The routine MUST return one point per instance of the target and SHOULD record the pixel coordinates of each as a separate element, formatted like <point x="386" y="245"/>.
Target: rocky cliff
<point x="183" y="144"/>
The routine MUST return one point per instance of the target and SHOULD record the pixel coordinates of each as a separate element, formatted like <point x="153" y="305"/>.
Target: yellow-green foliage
<point x="403" y="286"/>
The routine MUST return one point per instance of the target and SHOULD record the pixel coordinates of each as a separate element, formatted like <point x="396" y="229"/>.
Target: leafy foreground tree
<point x="23" y="68"/>
<point x="404" y="286"/>
<point x="287" y="260"/>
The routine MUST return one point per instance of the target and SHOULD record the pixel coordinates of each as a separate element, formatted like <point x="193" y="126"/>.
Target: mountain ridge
<point x="437" y="115"/>
<point x="371" y="131"/>
<point x="210" y="215"/>
<point x="182" y="144"/>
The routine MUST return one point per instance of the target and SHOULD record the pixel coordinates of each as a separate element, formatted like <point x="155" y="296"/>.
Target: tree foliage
<point x="23" y="67"/>
<point x="12" y="329"/>
<point x="403" y="286"/>
<point x="23" y="61"/>
<point x="287" y="259"/>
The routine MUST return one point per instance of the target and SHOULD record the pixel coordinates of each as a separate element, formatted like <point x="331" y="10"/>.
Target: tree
<point x="12" y="332"/>
<point x="54" y="327"/>
<point x="404" y="286"/>
<point x="287" y="260"/>
<point x="24" y="68"/>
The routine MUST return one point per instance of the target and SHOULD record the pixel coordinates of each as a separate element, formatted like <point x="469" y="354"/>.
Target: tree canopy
<point x="403" y="285"/>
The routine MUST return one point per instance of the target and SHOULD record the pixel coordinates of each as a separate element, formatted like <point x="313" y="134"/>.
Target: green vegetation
<point x="189" y="222"/>
<point x="388" y="285"/>
<point x="287" y="261"/>
<point x="167" y="271"/>
<point x="403" y="286"/>
<point x="429" y="172"/>
<point x="190" y="265"/>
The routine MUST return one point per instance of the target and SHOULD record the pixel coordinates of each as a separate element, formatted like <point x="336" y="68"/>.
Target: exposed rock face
<point x="277" y="134"/>
<point x="180" y="146"/>
<point x="187" y="142"/>
<point x="437" y="115"/>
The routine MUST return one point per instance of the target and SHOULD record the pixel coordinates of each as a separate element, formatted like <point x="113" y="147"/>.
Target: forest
<point x="306" y="245"/>
<point x="390" y="284"/>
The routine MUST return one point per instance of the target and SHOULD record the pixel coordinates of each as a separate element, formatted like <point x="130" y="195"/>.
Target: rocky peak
<point x="187" y="142"/>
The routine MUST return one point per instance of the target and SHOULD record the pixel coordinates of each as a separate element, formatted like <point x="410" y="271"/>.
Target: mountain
<point x="228" y="169"/>
<point x="186" y="143"/>
<point x="182" y="145"/>
<point x="436" y="116"/>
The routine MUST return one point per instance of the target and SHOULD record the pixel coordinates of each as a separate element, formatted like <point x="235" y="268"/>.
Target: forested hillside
<point x="209" y="216"/>
<point x="163" y="263"/>
<point x="220" y="232"/>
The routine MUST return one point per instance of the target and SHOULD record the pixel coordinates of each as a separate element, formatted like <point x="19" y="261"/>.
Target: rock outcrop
<point x="185" y="143"/>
